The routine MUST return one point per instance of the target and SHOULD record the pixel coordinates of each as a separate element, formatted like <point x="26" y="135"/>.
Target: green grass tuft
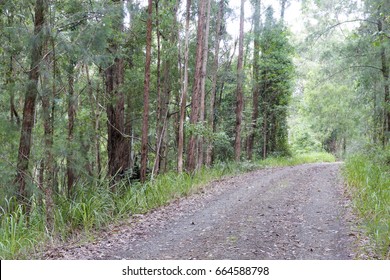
<point x="368" y="176"/>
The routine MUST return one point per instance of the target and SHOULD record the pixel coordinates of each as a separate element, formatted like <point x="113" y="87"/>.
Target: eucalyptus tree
<point x="211" y="121"/>
<point x="31" y="93"/>
<point x="145" y="122"/>
<point x="239" y="91"/>
<point x="167" y="81"/>
<point x="197" y="86"/>
<point x="255" y="76"/>
<point x="117" y="145"/>
<point x="184" y="89"/>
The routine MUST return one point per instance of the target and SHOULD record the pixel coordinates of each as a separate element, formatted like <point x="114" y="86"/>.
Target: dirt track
<point x="277" y="213"/>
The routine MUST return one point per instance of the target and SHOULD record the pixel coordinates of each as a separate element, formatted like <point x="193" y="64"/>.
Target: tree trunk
<point x="256" y="78"/>
<point x="30" y="101"/>
<point x="71" y="172"/>
<point x="165" y="95"/>
<point x="183" y="98"/>
<point x="10" y="80"/>
<point x="129" y="130"/>
<point x="94" y="101"/>
<point x="203" y="83"/>
<point x="47" y="98"/>
<point x="265" y="129"/>
<point x="209" y="153"/>
<point x="145" y="127"/>
<point x="196" y="89"/>
<point x="240" y="77"/>
<point x="163" y="122"/>
<point x="117" y="144"/>
<point x="160" y="101"/>
<point x="385" y="74"/>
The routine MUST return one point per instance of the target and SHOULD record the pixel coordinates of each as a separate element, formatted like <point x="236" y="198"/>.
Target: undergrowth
<point x="368" y="177"/>
<point x="94" y="207"/>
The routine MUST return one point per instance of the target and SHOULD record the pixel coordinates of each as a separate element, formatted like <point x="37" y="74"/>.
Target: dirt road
<point x="277" y="213"/>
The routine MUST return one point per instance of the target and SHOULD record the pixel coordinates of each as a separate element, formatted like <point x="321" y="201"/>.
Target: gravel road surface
<point x="297" y="212"/>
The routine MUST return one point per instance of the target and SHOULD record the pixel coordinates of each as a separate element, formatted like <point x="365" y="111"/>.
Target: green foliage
<point x="276" y="80"/>
<point x="368" y="177"/>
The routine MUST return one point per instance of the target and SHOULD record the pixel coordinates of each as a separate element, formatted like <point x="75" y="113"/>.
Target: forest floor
<point x="300" y="212"/>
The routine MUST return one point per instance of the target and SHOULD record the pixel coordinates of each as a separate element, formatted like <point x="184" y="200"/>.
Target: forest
<point x="111" y="107"/>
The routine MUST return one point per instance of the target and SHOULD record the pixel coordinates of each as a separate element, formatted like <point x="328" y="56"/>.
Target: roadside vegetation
<point x="368" y="178"/>
<point x="95" y="206"/>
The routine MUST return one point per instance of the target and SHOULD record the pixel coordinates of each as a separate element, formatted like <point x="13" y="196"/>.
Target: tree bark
<point x="94" y="100"/>
<point x="183" y="98"/>
<point x="48" y="109"/>
<point x="10" y="80"/>
<point x="145" y="127"/>
<point x="196" y="89"/>
<point x="203" y="83"/>
<point x="209" y="153"/>
<point x="385" y="75"/>
<point x="265" y="130"/>
<point x="30" y="101"/>
<point x="117" y="144"/>
<point x="70" y="170"/>
<point x="160" y="102"/>
<point x="165" y="93"/>
<point x="240" y="77"/>
<point x="256" y="78"/>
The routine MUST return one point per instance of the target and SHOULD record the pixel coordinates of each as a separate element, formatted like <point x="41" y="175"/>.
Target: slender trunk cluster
<point x="145" y="123"/>
<point x="184" y="90"/>
<point x="196" y="89"/>
<point x="256" y="78"/>
<point x="239" y="91"/>
<point x="209" y="152"/>
<point x="203" y="84"/>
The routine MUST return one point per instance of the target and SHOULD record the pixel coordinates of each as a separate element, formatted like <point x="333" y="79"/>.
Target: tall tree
<point x="196" y="89"/>
<point x="203" y="82"/>
<point x="38" y="41"/>
<point x="160" y="101"/>
<point x="239" y="91"/>
<point x="385" y="75"/>
<point x="209" y="152"/>
<point x="145" y="124"/>
<point x="256" y="77"/>
<point x="48" y="94"/>
<point x="117" y="144"/>
<point x="70" y="159"/>
<point x="169" y="31"/>
<point x="184" y="89"/>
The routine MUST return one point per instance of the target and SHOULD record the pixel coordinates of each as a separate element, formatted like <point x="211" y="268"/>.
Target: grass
<point x="300" y="159"/>
<point x="95" y="207"/>
<point x="368" y="177"/>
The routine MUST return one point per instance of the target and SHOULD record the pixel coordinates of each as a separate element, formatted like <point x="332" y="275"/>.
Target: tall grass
<point x="94" y="207"/>
<point x="368" y="177"/>
<point x="19" y="232"/>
